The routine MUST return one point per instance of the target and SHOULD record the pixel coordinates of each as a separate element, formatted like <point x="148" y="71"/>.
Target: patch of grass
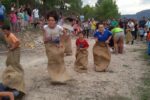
<point x="125" y="65"/>
<point x="136" y="50"/>
<point x="145" y="89"/>
<point x="118" y="98"/>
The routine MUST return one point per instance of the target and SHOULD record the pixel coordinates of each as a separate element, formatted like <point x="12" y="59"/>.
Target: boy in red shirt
<point x="81" y="54"/>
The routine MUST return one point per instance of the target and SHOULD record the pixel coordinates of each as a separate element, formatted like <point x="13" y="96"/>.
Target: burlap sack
<point x="13" y="76"/>
<point x="81" y="60"/>
<point x="66" y="41"/>
<point x="128" y="37"/>
<point x="56" y="67"/>
<point x="101" y="56"/>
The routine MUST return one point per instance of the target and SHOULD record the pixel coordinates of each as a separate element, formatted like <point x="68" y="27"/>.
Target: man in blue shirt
<point x="103" y="35"/>
<point x="101" y="52"/>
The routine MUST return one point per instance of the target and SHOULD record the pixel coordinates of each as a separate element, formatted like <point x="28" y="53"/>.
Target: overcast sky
<point x="126" y="6"/>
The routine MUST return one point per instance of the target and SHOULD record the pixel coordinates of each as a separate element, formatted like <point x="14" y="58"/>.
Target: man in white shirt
<point x="131" y="25"/>
<point x="36" y="16"/>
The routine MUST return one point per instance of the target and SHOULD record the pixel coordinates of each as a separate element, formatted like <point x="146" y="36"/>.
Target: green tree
<point x="88" y="12"/>
<point x="106" y="9"/>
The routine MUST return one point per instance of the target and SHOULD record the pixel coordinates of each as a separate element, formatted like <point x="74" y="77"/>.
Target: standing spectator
<point x="26" y="19"/>
<point x="142" y="22"/>
<point x="86" y="28"/>
<point x="13" y="21"/>
<point x="114" y="23"/>
<point x="36" y="16"/>
<point x="136" y="29"/>
<point x="147" y="25"/>
<point x="13" y="7"/>
<point x="121" y="23"/>
<point x="29" y="12"/>
<point x="2" y="14"/>
<point x="141" y="33"/>
<point x="131" y="25"/>
<point x="21" y="19"/>
<point x="93" y="26"/>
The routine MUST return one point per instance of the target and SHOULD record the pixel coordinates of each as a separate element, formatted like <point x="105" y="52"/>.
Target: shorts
<point x="117" y="36"/>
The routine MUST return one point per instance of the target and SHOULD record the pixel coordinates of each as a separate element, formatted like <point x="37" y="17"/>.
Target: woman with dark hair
<point x="53" y="33"/>
<point x="101" y="51"/>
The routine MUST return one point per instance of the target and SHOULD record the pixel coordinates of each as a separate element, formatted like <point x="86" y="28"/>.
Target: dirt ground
<point x="120" y="82"/>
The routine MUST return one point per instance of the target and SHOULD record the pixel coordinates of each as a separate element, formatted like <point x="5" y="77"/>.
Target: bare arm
<point x="9" y="94"/>
<point x="108" y="40"/>
<point x="15" y="45"/>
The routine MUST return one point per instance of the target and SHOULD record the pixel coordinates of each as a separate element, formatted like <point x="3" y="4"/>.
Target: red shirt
<point x="148" y="36"/>
<point x="82" y="43"/>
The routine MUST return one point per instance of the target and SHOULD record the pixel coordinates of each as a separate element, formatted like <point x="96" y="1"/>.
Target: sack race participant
<point x="118" y="38"/>
<point x="13" y="75"/>
<point x="81" y="54"/>
<point x="128" y="35"/>
<point x="54" y="49"/>
<point x="101" y="52"/>
<point x="66" y="40"/>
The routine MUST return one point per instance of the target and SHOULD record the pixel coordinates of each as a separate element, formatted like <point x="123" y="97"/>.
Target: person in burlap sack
<point x="81" y="54"/>
<point x="13" y="75"/>
<point x="53" y="33"/>
<point x="118" y="37"/>
<point x="101" y="52"/>
<point x="66" y="40"/>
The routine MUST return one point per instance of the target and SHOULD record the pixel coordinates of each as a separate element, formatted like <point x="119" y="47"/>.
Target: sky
<point x="126" y="6"/>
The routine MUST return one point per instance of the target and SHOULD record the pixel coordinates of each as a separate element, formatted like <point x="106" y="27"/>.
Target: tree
<point x="106" y="9"/>
<point x="88" y="12"/>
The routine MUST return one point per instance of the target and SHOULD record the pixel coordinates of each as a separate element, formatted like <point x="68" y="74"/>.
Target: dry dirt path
<point x="120" y="82"/>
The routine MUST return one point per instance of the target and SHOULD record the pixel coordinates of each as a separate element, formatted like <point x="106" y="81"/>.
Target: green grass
<point x="145" y="88"/>
<point x="118" y="98"/>
<point x="125" y="65"/>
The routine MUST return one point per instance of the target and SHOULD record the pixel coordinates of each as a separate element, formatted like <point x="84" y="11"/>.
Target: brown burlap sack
<point x="56" y="67"/>
<point x="101" y="56"/>
<point x="66" y="41"/>
<point x="81" y="60"/>
<point x="13" y="75"/>
<point x="128" y="37"/>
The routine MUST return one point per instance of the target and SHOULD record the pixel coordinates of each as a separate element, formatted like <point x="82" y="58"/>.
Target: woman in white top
<point x="53" y="33"/>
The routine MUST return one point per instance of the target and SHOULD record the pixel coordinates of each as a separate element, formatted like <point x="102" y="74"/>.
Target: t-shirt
<point x="11" y="39"/>
<point x="116" y="30"/>
<point x="132" y="26"/>
<point x="148" y="24"/>
<point x="142" y="23"/>
<point x="102" y="37"/>
<point x="36" y="13"/>
<point x="82" y="43"/>
<point x="93" y="25"/>
<point x="53" y="35"/>
<point x="13" y="18"/>
<point x="141" y="31"/>
<point x="148" y="37"/>
<point x="2" y="9"/>
<point x="114" y="23"/>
